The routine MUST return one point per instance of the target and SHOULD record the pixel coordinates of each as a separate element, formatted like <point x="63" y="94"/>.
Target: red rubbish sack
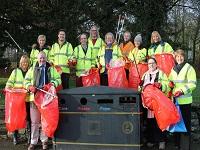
<point x="48" y="107"/>
<point x="92" y="78"/>
<point x="165" y="62"/>
<point x="15" y="109"/>
<point x="164" y="109"/>
<point x="134" y="78"/>
<point x="117" y="77"/>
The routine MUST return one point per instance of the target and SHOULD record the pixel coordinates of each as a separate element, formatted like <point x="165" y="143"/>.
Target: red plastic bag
<point x="164" y="109"/>
<point x="165" y="62"/>
<point x="48" y="107"/>
<point x="117" y="77"/>
<point x="15" y="109"/>
<point x="92" y="78"/>
<point x="134" y="78"/>
<point x="59" y="88"/>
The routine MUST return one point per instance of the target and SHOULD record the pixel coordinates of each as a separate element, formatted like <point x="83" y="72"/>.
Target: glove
<point x="47" y="86"/>
<point x="178" y="93"/>
<point x="158" y="85"/>
<point x="32" y="89"/>
<point x="171" y="84"/>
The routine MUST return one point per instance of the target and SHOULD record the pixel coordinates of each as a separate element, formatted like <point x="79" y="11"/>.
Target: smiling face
<point x="137" y="44"/>
<point x="83" y="39"/>
<point x="152" y="65"/>
<point x="179" y="58"/>
<point x="109" y="38"/>
<point x="61" y="36"/>
<point x="155" y="38"/>
<point x="127" y="36"/>
<point x="42" y="58"/>
<point x="94" y="32"/>
<point x="24" y="63"/>
<point x="41" y="42"/>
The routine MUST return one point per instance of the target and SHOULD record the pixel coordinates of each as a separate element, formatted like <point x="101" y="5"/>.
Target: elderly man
<point x="38" y="76"/>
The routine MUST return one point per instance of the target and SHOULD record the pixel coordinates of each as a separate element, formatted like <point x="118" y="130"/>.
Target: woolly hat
<point x="138" y="38"/>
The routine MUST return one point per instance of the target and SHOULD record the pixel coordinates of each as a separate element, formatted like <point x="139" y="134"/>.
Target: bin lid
<point x="98" y="90"/>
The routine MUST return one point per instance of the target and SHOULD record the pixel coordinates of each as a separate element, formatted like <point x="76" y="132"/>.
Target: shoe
<point x="15" y="140"/>
<point x="149" y="144"/>
<point x="44" y="145"/>
<point x="162" y="145"/>
<point x="31" y="147"/>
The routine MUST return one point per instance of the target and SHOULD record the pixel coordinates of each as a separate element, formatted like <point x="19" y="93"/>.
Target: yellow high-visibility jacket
<point x="35" y="51"/>
<point x="138" y="54"/>
<point x="96" y="47"/>
<point x="84" y="61"/>
<point x="33" y="75"/>
<point x="101" y="55"/>
<point x="16" y="80"/>
<point x="163" y="47"/>
<point x="185" y="81"/>
<point x="60" y="55"/>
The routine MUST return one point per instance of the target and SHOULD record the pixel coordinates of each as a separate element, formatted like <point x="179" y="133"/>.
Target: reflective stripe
<point x="59" y="54"/>
<point x="11" y="82"/>
<point x="63" y="65"/>
<point x="195" y="82"/>
<point x="184" y="81"/>
<point x="88" y="59"/>
<point x="187" y="88"/>
<point x="80" y="69"/>
<point x="19" y="82"/>
<point x="96" y="47"/>
<point x="28" y="79"/>
<point x="185" y="96"/>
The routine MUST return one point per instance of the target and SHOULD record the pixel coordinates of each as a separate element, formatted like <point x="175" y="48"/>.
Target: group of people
<point x="51" y="65"/>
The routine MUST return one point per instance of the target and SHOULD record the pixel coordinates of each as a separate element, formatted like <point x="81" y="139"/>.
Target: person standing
<point x="139" y="53"/>
<point x="126" y="46"/>
<point x="94" y="40"/>
<point x="60" y="54"/>
<point x="85" y="59"/>
<point x="39" y="75"/>
<point x="108" y="51"/>
<point x="40" y="46"/>
<point x="16" y="80"/>
<point x="158" y="46"/>
<point x="158" y="79"/>
<point x="183" y="82"/>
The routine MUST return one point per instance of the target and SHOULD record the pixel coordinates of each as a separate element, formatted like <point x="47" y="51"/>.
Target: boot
<point x="15" y="138"/>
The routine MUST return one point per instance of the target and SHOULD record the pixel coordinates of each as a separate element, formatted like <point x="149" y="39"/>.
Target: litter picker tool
<point x="46" y="92"/>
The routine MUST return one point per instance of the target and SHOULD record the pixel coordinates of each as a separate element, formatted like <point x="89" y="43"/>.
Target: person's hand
<point x="141" y="82"/>
<point x="100" y="67"/>
<point x="47" y="86"/>
<point x="157" y="84"/>
<point x="178" y="93"/>
<point x="171" y="84"/>
<point x="32" y="89"/>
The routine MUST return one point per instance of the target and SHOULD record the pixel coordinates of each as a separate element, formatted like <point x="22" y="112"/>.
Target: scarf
<point x="151" y="77"/>
<point x="178" y="67"/>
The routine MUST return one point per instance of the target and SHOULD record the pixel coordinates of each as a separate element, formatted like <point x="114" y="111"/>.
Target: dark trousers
<point x="79" y="82"/>
<point x="182" y="140"/>
<point x="65" y="80"/>
<point x="127" y="74"/>
<point x="104" y="79"/>
<point x="154" y="134"/>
